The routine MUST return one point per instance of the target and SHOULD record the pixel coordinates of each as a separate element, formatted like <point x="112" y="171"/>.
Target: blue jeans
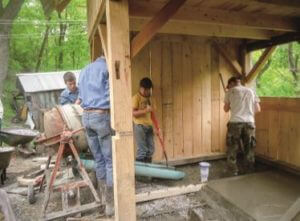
<point x="144" y="141"/>
<point x="98" y="132"/>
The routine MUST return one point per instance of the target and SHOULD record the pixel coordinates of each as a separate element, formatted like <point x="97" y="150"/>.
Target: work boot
<point x="102" y="190"/>
<point x="109" y="199"/>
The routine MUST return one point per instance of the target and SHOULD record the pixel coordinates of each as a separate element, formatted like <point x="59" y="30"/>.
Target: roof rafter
<point x="221" y="17"/>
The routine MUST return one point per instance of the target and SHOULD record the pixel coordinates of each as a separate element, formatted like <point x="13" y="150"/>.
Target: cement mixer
<point x="68" y="115"/>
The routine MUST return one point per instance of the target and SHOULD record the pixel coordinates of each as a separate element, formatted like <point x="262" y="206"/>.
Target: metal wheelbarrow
<point x="16" y="136"/>
<point x="12" y="137"/>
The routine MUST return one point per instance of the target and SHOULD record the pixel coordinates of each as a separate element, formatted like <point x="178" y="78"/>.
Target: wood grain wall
<point x="185" y="72"/>
<point x="278" y="130"/>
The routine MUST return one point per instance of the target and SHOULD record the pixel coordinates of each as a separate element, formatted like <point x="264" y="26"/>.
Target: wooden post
<point x="118" y="49"/>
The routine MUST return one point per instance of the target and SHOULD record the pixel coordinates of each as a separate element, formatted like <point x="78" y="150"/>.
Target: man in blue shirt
<point x="70" y="94"/>
<point x="94" y="99"/>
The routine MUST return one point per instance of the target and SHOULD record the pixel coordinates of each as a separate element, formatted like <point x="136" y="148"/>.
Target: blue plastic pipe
<point x="146" y="169"/>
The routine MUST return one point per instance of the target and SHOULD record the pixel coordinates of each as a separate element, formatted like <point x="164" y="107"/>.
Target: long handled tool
<point x="159" y="135"/>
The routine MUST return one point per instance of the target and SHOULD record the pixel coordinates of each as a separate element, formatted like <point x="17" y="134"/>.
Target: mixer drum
<point x="69" y="114"/>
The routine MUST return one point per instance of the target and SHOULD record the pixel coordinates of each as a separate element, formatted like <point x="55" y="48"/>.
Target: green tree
<point x="280" y="76"/>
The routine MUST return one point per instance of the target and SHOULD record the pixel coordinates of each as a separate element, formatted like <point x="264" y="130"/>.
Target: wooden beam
<point x="195" y="159"/>
<point x="233" y="63"/>
<point x="274" y="41"/>
<point x="96" y="49"/>
<point x="151" y="28"/>
<point x="201" y="29"/>
<point x="169" y="192"/>
<point x="103" y="36"/>
<point x="260" y="64"/>
<point x="281" y="165"/>
<point x="285" y="5"/>
<point x="99" y="17"/>
<point x="221" y="17"/>
<point x="119" y="65"/>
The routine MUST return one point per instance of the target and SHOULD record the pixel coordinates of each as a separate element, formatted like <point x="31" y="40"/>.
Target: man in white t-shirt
<point x="243" y="103"/>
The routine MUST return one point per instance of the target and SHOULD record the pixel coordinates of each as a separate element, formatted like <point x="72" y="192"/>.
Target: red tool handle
<point x="158" y="134"/>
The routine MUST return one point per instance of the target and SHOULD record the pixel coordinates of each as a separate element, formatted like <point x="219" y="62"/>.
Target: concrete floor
<point x="264" y="196"/>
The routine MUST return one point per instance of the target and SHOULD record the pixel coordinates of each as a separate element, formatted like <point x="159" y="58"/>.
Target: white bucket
<point x="204" y="171"/>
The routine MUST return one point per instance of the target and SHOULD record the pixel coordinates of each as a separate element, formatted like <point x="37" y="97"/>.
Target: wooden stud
<point x="118" y="49"/>
<point x="151" y="28"/>
<point x="260" y="64"/>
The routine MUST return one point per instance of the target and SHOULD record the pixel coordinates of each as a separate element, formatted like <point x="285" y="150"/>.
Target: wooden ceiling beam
<point x="286" y="4"/>
<point x="260" y="64"/>
<point x="200" y="29"/>
<point x="220" y="17"/>
<point x="152" y="27"/>
<point x="276" y="40"/>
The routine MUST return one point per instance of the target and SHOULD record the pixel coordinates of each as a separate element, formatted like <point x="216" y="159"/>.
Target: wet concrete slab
<point x="265" y="196"/>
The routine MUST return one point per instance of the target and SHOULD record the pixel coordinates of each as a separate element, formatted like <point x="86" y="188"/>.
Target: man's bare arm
<point x="226" y="107"/>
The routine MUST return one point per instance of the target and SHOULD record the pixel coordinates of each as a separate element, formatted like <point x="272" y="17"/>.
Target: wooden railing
<point x="278" y="130"/>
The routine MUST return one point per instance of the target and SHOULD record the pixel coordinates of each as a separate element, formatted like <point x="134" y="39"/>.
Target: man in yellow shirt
<point x="143" y="130"/>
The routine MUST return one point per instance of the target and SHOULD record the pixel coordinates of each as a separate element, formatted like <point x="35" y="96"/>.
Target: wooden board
<point x="177" y="100"/>
<point x="187" y="101"/>
<point x="169" y="192"/>
<point x="206" y="97"/>
<point x="156" y="76"/>
<point x="215" y="101"/>
<point x="167" y="98"/>
<point x="188" y="93"/>
<point x="197" y="99"/>
<point x="278" y="130"/>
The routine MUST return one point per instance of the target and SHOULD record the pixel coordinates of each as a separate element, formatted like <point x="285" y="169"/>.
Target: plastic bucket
<point x="204" y="171"/>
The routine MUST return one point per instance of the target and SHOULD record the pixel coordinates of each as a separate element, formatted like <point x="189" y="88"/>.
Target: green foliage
<point x="26" y="39"/>
<point x="278" y="79"/>
<point x="28" y="33"/>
